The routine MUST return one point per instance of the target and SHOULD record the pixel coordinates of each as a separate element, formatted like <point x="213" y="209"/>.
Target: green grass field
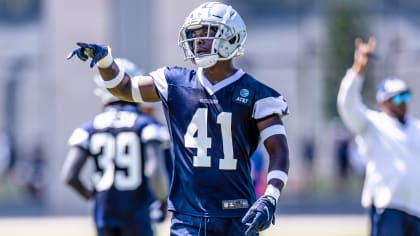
<point x="294" y="225"/>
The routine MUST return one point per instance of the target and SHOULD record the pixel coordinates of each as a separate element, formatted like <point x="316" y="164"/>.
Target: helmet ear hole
<point x="233" y="39"/>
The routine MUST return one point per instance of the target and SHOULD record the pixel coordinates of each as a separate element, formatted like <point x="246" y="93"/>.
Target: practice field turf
<point x="294" y="225"/>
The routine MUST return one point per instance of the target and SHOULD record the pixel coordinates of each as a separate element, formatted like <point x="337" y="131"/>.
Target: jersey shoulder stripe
<point x="267" y="100"/>
<point x="165" y="76"/>
<point x="80" y="136"/>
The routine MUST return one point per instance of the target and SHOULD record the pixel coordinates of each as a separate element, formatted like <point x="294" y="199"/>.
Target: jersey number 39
<point x="196" y="137"/>
<point x="122" y="151"/>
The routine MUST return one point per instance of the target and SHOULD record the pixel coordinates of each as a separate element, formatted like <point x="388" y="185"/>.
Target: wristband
<point x="277" y="174"/>
<point x="272" y="192"/>
<point x="116" y="80"/>
<point x="106" y="61"/>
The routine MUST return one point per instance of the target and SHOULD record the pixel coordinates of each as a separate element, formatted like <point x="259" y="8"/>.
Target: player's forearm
<point x="71" y="178"/>
<point x="155" y="170"/>
<point x="80" y="188"/>
<point x="159" y="183"/>
<point x="121" y="88"/>
<point x="273" y="135"/>
<point x="349" y="102"/>
<point x="278" y="167"/>
<point x="74" y="163"/>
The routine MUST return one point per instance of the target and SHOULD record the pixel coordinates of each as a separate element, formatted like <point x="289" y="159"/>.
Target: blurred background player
<point x="158" y="209"/>
<point x="389" y="141"/>
<point x="217" y="114"/>
<point x="126" y="146"/>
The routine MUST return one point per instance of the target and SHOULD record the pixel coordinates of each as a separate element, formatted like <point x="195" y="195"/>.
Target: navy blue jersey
<point x="115" y="139"/>
<point x="214" y="132"/>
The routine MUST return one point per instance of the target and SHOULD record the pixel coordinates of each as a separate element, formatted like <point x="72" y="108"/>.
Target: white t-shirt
<point x="391" y="150"/>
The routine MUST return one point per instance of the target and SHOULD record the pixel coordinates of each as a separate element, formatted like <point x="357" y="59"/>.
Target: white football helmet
<point x="229" y="40"/>
<point x="102" y="92"/>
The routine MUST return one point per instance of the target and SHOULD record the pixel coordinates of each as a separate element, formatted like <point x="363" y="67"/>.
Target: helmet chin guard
<point x="228" y="40"/>
<point x="206" y="61"/>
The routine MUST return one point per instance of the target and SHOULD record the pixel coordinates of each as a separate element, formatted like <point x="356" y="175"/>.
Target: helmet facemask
<point x="227" y="41"/>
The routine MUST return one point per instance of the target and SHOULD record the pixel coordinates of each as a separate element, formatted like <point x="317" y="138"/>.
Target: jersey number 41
<point x="196" y="137"/>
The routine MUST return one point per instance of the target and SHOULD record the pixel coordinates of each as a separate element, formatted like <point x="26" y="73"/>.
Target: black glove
<point x="260" y="215"/>
<point x="89" y="50"/>
<point x="158" y="210"/>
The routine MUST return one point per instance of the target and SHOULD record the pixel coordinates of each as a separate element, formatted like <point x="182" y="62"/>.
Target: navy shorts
<point x="184" y="225"/>
<point x="392" y="222"/>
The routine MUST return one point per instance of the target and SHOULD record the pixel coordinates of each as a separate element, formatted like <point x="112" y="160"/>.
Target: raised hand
<point x="84" y="51"/>
<point x="260" y="215"/>
<point x="362" y="53"/>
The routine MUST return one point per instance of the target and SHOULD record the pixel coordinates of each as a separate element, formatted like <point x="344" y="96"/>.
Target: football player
<point x="216" y="115"/>
<point x="126" y="146"/>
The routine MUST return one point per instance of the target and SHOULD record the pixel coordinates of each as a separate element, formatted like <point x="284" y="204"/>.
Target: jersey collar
<point x="213" y="88"/>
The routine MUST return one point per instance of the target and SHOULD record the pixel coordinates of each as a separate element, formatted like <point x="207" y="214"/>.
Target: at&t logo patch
<point x="242" y="96"/>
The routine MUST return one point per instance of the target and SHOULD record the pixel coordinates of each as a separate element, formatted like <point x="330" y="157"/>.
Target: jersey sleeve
<point x="160" y="81"/>
<point x="80" y="136"/>
<point x="269" y="102"/>
<point x="349" y="103"/>
<point x="166" y="77"/>
<point x="155" y="132"/>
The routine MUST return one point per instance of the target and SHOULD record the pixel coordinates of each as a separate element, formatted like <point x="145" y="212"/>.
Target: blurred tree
<point x="346" y="20"/>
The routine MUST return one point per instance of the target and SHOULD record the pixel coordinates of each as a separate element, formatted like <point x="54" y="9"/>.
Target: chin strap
<point x="206" y="61"/>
